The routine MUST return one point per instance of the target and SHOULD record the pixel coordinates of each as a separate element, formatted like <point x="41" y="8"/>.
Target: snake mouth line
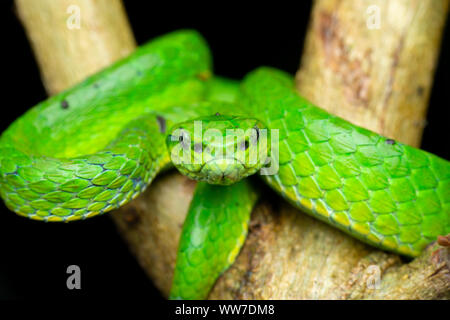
<point x="220" y="159"/>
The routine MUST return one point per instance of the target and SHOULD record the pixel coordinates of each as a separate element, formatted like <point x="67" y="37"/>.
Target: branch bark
<point x="371" y="77"/>
<point x="73" y="39"/>
<point x="372" y="62"/>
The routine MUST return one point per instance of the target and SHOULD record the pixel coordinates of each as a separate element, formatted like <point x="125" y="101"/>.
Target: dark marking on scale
<point x="161" y="123"/>
<point x="64" y="104"/>
<point x="420" y="90"/>
<point x="390" y="141"/>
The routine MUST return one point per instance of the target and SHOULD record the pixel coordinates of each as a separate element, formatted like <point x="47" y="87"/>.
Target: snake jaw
<point x="223" y="171"/>
<point x="220" y="171"/>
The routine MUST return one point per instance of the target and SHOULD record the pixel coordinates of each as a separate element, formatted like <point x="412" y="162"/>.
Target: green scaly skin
<point x="81" y="153"/>
<point x="383" y="192"/>
<point x="96" y="146"/>
<point x="213" y="233"/>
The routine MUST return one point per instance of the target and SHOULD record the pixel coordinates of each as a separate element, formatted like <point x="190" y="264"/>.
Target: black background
<point x="33" y="255"/>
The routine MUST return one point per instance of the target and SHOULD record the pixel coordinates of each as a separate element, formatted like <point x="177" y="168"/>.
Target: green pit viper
<point x="96" y="146"/>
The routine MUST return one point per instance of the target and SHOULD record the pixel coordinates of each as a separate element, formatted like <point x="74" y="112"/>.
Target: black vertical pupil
<point x="244" y="145"/>
<point x="257" y="133"/>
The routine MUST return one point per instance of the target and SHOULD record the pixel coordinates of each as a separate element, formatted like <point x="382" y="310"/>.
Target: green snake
<point x="96" y="146"/>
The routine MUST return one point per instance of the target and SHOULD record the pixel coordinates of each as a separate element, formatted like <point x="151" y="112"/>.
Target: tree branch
<point x="66" y="53"/>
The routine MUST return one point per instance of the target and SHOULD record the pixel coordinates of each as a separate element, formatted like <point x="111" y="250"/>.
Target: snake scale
<point x="96" y="146"/>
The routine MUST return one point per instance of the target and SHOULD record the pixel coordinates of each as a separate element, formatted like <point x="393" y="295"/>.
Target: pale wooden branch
<point x="67" y="54"/>
<point x="379" y="79"/>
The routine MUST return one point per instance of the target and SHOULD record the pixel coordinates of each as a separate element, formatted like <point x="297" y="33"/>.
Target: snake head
<point x="219" y="149"/>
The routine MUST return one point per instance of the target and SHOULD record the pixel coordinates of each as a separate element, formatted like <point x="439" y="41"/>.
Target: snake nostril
<point x="198" y="147"/>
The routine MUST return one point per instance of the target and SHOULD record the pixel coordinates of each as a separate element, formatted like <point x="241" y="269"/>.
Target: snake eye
<point x="183" y="140"/>
<point x="244" y="145"/>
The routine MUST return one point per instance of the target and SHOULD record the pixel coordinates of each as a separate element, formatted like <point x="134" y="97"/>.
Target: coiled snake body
<point x="96" y="146"/>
